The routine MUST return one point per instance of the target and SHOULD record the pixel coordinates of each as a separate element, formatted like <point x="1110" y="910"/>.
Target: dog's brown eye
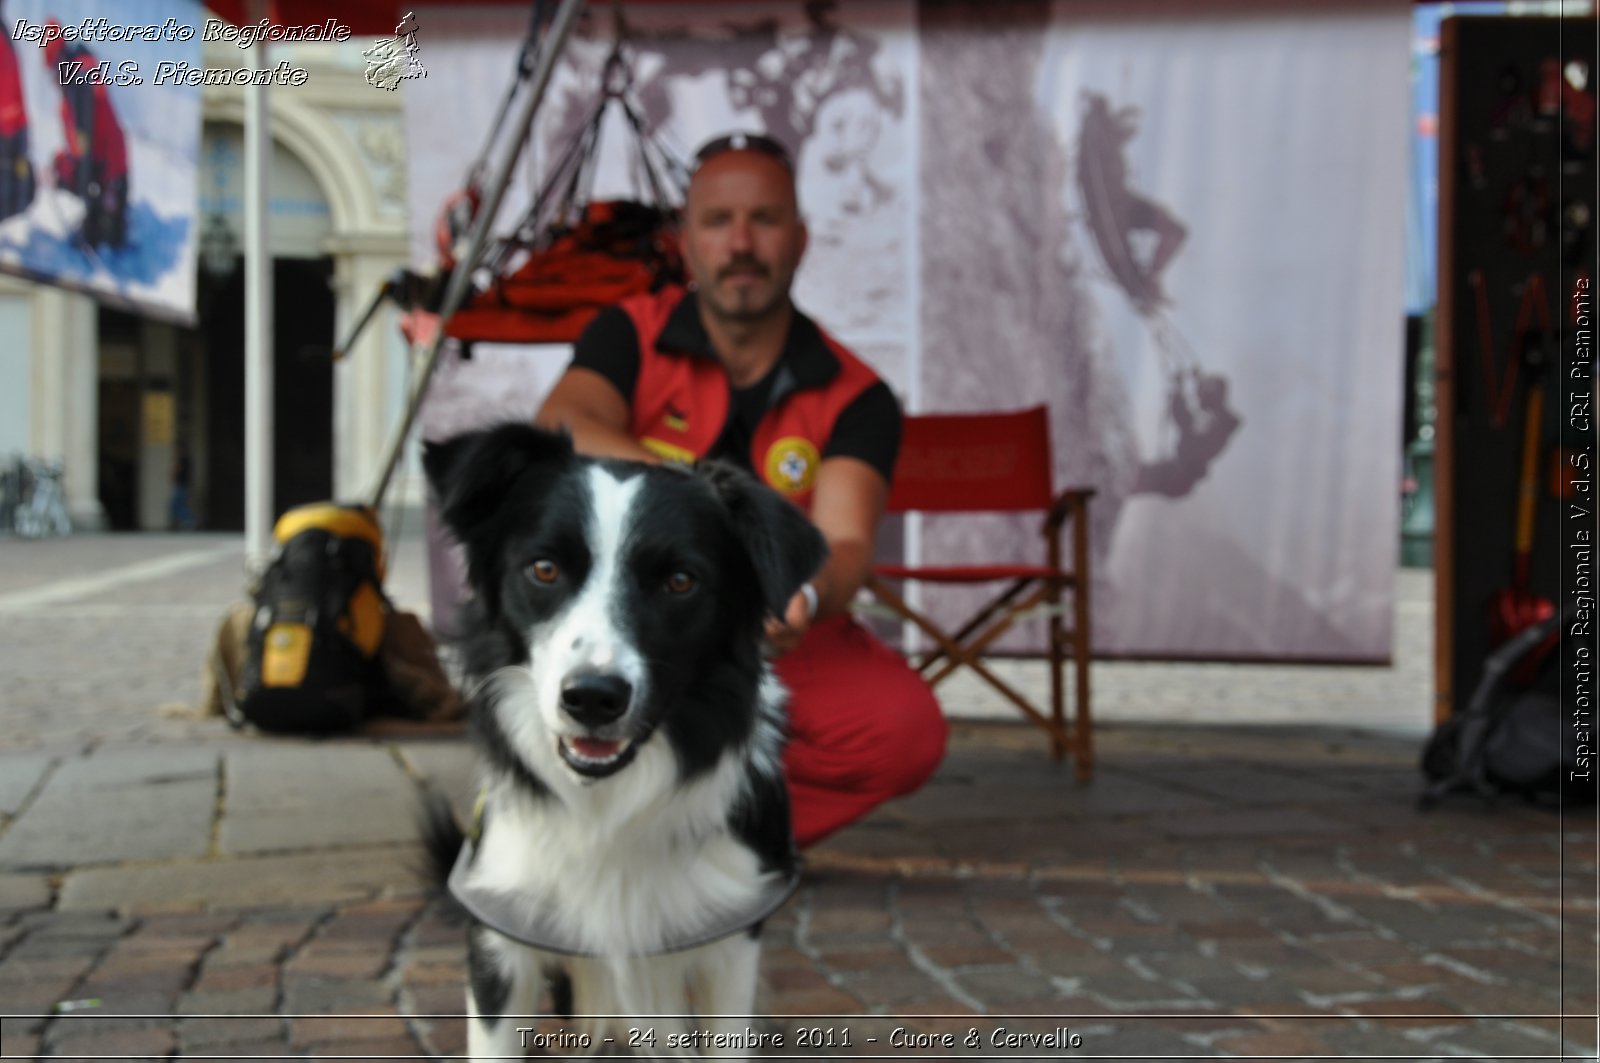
<point x="542" y="571"/>
<point x="681" y="583"/>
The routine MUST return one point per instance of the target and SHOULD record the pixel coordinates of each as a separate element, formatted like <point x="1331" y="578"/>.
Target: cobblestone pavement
<point x="1242" y="881"/>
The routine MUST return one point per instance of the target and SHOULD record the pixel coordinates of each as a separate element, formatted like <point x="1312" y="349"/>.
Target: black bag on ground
<point x="1510" y="740"/>
<point x="312" y="663"/>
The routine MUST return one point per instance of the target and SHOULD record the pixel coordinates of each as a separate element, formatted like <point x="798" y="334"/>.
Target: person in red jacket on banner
<point x="16" y="169"/>
<point x="729" y="368"/>
<point x="94" y="162"/>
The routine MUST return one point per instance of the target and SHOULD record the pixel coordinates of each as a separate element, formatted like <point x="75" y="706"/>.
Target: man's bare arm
<point x="591" y="408"/>
<point x="846" y="506"/>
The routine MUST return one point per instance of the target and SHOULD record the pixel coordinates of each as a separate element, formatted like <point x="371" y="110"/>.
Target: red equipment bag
<point x="617" y="248"/>
<point x="572" y="255"/>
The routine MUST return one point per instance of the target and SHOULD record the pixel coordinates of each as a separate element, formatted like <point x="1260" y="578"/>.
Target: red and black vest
<point x="681" y="399"/>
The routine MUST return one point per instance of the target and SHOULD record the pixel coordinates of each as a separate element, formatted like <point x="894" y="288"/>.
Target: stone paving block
<point x="17" y="969"/>
<point x="118" y="804"/>
<point x="418" y="975"/>
<point x="295" y="796"/>
<point x="865" y="958"/>
<point x="947" y="802"/>
<point x="311" y="995"/>
<point x="1494" y="1038"/>
<point x="229" y="977"/>
<point x="24" y="892"/>
<point x="1264" y="823"/>
<point x="1083" y="967"/>
<point x="370" y="1025"/>
<point x="1473" y="999"/>
<point x="440" y="1001"/>
<point x="1128" y="991"/>
<point x="250" y="1000"/>
<point x="386" y="1050"/>
<point x="807" y="1000"/>
<point x="19" y="774"/>
<point x="449" y="766"/>
<point x="155" y="964"/>
<point x="265" y="1048"/>
<point x="96" y="928"/>
<point x="1263" y="783"/>
<point x="958" y="956"/>
<point x="1009" y="983"/>
<point x="346" y="875"/>
<point x="232" y="1033"/>
<point x="150" y="1043"/>
<point x="1272" y="1045"/>
<point x="355" y="964"/>
<point x="849" y="925"/>
<point x="890" y="989"/>
<point x="881" y="836"/>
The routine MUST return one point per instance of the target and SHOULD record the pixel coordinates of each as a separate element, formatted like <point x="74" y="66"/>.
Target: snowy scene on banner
<point x="1177" y="229"/>
<point x="98" y="172"/>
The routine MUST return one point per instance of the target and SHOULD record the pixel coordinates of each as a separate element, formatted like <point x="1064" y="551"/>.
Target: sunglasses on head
<point x="756" y="142"/>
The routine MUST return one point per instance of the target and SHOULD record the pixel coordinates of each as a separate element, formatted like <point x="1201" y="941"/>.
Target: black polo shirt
<point x="868" y="429"/>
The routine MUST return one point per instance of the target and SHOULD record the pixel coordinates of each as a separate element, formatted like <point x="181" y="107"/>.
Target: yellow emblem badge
<point x="791" y="465"/>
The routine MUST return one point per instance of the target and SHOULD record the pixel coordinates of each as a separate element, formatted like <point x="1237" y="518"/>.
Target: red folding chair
<point x="999" y="463"/>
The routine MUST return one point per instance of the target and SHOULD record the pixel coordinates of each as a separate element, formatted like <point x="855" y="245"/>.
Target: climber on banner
<point x="16" y="169"/>
<point x="94" y="163"/>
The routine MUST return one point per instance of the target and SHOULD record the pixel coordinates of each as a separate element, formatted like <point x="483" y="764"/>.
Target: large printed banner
<point x="99" y="146"/>
<point x="1182" y="230"/>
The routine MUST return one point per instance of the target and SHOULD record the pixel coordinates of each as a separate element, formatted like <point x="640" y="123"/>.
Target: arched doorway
<point x="299" y="223"/>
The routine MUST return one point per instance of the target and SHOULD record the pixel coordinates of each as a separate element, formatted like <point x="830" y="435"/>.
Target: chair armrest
<point x="1066" y="504"/>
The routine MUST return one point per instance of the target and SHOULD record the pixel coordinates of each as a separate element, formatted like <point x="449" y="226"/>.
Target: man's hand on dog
<point x="785" y="633"/>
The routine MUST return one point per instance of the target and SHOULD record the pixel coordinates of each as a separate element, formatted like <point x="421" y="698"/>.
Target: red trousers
<point x="863" y="727"/>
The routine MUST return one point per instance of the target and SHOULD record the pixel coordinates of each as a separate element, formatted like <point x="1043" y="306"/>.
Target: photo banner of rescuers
<point x="92" y="163"/>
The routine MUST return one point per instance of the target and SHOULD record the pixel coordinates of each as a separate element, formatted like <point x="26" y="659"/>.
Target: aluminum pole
<point x="455" y="292"/>
<point x="258" y="390"/>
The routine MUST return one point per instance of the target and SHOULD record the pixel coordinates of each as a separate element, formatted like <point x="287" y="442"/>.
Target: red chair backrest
<point x="974" y="462"/>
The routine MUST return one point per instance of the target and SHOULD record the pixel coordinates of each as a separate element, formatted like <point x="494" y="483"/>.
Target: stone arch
<point x="324" y="150"/>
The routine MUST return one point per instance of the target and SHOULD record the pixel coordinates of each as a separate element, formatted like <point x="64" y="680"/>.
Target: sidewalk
<point x="1241" y="880"/>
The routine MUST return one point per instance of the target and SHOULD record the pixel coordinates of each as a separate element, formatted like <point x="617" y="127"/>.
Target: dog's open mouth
<point x="595" y="757"/>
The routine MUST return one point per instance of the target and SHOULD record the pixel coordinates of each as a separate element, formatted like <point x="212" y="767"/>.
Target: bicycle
<point x="44" y="508"/>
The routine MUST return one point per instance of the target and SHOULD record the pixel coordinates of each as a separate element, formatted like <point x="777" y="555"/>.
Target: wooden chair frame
<point x="1040" y="588"/>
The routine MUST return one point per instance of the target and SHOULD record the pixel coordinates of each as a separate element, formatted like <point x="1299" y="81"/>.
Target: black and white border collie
<point x="628" y="724"/>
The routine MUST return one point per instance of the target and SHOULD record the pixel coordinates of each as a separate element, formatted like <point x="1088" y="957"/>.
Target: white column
<point x="366" y="375"/>
<point x="66" y="397"/>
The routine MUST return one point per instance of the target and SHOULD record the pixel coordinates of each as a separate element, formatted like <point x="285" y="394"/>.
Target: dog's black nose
<point x="595" y="698"/>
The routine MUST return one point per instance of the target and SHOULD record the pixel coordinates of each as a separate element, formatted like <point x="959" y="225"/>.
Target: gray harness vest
<point x="520" y="921"/>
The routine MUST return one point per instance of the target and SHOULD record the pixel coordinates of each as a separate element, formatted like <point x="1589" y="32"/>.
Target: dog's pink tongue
<point x="595" y="748"/>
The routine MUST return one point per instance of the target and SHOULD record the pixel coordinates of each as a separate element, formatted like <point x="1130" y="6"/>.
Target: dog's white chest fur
<point x="621" y="868"/>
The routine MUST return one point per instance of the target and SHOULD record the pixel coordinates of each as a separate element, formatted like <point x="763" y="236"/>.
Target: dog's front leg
<point x="504" y="985"/>
<point x="724" y="989"/>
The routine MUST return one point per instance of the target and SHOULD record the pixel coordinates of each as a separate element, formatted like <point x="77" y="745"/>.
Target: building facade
<point x="123" y="402"/>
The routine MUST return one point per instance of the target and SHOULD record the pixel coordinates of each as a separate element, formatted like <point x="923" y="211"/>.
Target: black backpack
<point x="311" y="662"/>
<point x="1511" y="739"/>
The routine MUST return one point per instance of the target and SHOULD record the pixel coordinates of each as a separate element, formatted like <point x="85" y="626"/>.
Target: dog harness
<point x="524" y="922"/>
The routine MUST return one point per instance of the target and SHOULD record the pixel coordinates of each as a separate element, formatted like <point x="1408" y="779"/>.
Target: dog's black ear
<point x="470" y="473"/>
<point x="785" y="547"/>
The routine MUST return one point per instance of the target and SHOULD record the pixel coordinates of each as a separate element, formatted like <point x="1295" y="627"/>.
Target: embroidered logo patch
<point x="791" y="465"/>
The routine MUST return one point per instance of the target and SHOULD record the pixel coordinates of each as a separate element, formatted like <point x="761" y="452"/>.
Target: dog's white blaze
<point x="586" y="635"/>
